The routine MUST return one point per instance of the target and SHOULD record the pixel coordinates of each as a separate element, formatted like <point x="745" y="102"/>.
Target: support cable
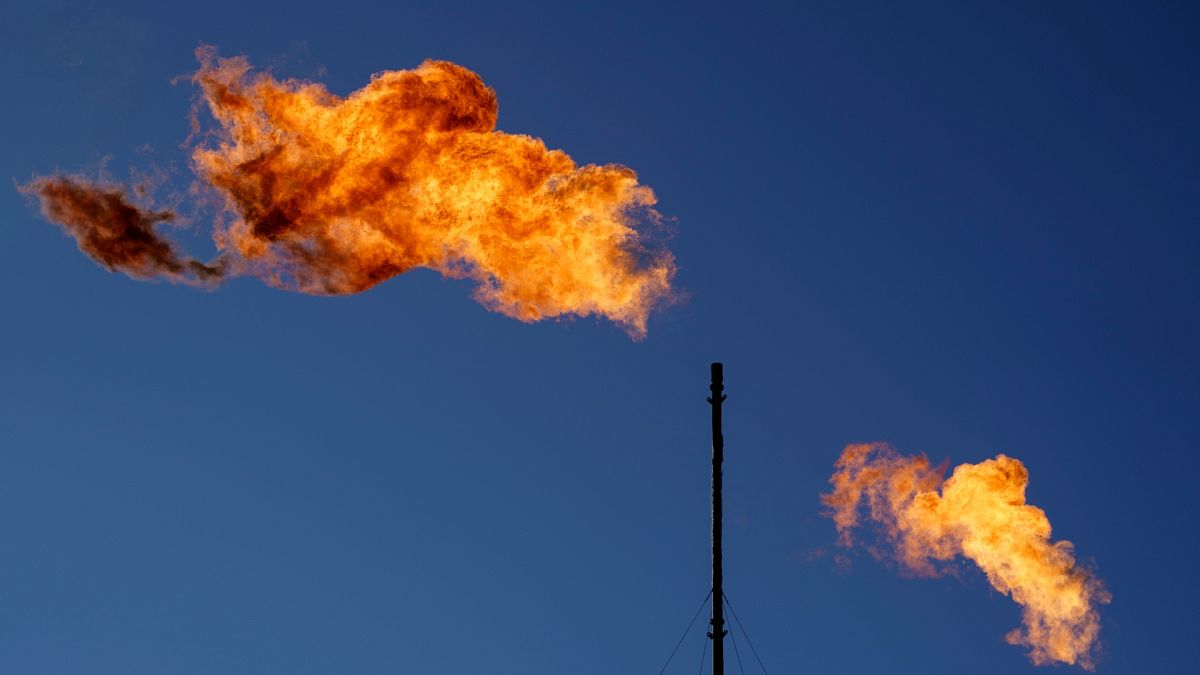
<point x="744" y="633"/>
<point x="703" y="653"/>
<point x="738" y="654"/>
<point x="685" y="632"/>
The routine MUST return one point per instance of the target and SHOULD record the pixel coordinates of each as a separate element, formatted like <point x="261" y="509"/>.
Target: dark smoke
<point x="118" y="234"/>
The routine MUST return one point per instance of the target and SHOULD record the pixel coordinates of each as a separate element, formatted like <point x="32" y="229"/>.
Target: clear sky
<point x="962" y="230"/>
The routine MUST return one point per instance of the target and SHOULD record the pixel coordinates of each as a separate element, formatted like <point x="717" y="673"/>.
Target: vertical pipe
<point x="718" y="457"/>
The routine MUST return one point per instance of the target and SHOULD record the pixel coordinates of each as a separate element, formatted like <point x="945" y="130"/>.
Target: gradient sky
<point x="963" y="230"/>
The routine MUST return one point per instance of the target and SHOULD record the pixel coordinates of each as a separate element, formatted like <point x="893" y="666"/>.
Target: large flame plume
<point x="978" y="512"/>
<point x="330" y="195"/>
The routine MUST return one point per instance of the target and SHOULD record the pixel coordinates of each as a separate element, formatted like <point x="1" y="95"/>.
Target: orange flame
<point x="330" y="195"/>
<point x="981" y="514"/>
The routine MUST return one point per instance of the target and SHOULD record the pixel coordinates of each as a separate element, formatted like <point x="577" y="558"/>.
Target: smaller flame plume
<point x="979" y="512"/>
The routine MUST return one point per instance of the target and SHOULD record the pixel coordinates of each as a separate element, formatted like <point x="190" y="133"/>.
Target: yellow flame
<point x="980" y="513"/>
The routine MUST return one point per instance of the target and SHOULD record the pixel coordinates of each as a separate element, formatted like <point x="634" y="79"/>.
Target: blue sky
<point x="963" y="230"/>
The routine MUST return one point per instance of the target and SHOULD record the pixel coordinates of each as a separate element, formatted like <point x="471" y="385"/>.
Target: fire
<point x="329" y="195"/>
<point x="978" y="512"/>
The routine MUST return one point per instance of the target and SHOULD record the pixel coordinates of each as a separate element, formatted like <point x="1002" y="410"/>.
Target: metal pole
<point x="718" y="456"/>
